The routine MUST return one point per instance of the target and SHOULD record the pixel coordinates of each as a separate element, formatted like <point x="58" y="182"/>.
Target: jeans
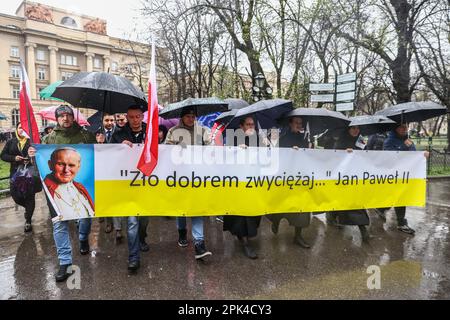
<point x="197" y="227"/>
<point x="133" y="239"/>
<point x="62" y="238"/>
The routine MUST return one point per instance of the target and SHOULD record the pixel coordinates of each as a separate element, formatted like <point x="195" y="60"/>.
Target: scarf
<point x="22" y="141"/>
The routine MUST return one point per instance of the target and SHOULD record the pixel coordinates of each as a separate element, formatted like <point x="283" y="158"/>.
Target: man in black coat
<point x="133" y="133"/>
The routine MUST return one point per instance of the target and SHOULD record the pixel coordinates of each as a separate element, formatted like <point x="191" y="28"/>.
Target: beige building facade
<point x="54" y="45"/>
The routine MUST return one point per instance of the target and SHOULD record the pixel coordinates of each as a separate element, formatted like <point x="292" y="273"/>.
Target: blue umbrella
<point x="208" y="120"/>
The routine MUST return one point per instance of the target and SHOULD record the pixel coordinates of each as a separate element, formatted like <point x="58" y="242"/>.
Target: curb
<point x="438" y="177"/>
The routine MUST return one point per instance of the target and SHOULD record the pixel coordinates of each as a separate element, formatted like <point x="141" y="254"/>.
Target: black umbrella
<point x="372" y="124"/>
<point x="234" y="103"/>
<point x="95" y="122"/>
<point x="413" y="111"/>
<point x="318" y="119"/>
<point x="225" y="117"/>
<point x="202" y="106"/>
<point x="265" y="112"/>
<point x="100" y="91"/>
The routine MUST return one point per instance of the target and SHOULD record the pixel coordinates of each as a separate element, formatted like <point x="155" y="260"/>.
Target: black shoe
<point x="28" y="227"/>
<point x="250" y="252"/>
<point x="200" y="250"/>
<point x="182" y="238"/>
<point x="144" y="246"/>
<point x="406" y="229"/>
<point x="133" y="266"/>
<point x="275" y="226"/>
<point x="62" y="273"/>
<point x="84" y="247"/>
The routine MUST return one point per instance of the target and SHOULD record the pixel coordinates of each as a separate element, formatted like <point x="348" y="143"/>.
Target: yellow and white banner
<point x="227" y="180"/>
<point x="202" y="181"/>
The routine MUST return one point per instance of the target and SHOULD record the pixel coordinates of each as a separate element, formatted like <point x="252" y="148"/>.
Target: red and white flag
<point x="27" y="119"/>
<point x="149" y="156"/>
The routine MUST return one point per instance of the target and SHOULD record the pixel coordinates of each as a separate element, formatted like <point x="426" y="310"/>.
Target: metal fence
<point x="438" y="162"/>
<point x="4" y="191"/>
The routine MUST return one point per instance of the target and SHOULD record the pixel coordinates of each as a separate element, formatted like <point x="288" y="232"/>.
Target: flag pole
<point x="27" y="108"/>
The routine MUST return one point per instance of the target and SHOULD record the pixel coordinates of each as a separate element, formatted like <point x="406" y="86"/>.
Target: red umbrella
<point x="49" y="114"/>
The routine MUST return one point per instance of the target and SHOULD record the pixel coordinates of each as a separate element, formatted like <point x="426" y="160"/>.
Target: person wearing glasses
<point x="121" y="120"/>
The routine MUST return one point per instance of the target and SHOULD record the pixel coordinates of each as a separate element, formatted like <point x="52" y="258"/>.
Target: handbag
<point x="25" y="182"/>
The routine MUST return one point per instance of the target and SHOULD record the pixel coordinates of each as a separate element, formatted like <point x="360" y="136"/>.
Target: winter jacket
<point x="396" y="143"/>
<point x="127" y="134"/>
<point x="11" y="150"/>
<point x="73" y="135"/>
<point x="201" y="136"/>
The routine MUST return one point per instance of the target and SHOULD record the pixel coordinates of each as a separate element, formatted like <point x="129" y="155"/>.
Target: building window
<point x="69" y="60"/>
<point x="114" y="67"/>
<point x="15" y="117"/>
<point x="15" y="52"/>
<point x="44" y="122"/>
<point x="129" y="68"/>
<point x="15" y="92"/>
<point x="40" y="55"/>
<point x="41" y="73"/>
<point x="66" y="75"/>
<point x="97" y="63"/>
<point x="69" y="22"/>
<point x="15" y="72"/>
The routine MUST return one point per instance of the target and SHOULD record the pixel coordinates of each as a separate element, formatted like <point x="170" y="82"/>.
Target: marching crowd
<point x="130" y="129"/>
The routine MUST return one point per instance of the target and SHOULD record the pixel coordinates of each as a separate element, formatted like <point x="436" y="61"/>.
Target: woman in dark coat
<point x="16" y="153"/>
<point x="294" y="137"/>
<point x="349" y="141"/>
<point x="398" y="140"/>
<point x="245" y="227"/>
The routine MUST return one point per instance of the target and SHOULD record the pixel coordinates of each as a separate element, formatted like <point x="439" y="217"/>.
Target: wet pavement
<point x="336" y="267"/>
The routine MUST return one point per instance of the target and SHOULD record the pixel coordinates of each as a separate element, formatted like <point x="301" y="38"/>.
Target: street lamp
<point x="258" y="92"/>
<point x="259" y="80"/>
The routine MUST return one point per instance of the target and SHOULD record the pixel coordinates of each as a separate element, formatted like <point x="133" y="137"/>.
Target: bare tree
<point x="401" y="19"/>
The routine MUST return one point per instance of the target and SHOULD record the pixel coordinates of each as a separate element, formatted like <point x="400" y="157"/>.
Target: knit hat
<point x="63" y="109"/>
<point x="186" y="111"/>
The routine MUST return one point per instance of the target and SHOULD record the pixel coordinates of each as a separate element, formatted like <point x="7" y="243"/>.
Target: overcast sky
<point x="121" y="16"/>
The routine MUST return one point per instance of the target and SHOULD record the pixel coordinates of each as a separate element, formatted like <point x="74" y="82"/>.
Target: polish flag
<point x="149" y="156"/>
<point x="27" y="119"/>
